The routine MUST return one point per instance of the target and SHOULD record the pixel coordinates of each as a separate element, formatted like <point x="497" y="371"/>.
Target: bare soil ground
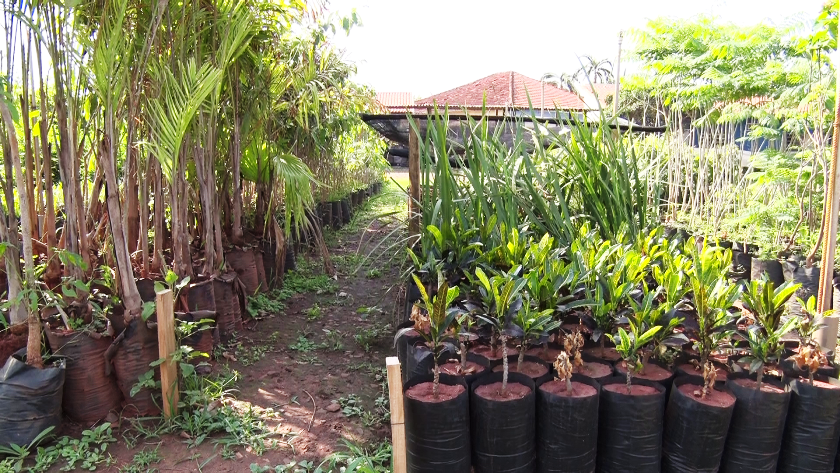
<point x="312" y="375"/>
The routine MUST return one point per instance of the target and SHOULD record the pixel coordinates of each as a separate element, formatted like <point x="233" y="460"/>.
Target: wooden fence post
<point x="413" y="183"/>
<point x="395" y="393"/>
<point x="166" y="347"/>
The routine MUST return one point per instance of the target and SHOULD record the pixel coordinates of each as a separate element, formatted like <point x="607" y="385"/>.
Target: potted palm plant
<point x="630" y="413"/>
<point x="765" y="327"/>
<point x="812" y="426"/>
<point x="502" y="412"/>
<point x="650" y="314"/>
<point x="428" y="403"/>
<point x="530" y="325"/>
<point x="567" y="417"/>
<point x="468" y="366"/>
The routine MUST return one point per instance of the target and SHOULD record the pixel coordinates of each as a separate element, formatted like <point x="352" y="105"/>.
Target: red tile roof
<point x="602" y="91"/>
<point x="506" y="89"/>
<point x="394" y="99"/>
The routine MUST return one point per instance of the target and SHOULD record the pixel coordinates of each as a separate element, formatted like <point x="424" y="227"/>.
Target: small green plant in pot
<point x="507" y="302"/>
<point x="810" y="354"/>
<point x="713" y="295"/>
<point x="766" y="305"/>
<point x="633" y="344"/>
<point x="435" y="325"/>
<point x="531" y="326"/>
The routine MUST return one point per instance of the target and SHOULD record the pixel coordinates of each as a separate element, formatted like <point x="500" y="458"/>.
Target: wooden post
<point x="414" y="182"/>
<point x="166" y="347"/>
<point x="395" y="393"/>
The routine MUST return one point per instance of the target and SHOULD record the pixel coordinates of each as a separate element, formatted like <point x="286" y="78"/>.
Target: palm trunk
<point x="521" y="358"/>
<point x="130" y="294"/>
<point x="436" y="381"/>
<point x="463" y="356"/>
<point x="144" y="220"/>
<point x="504" y="364"/>
<point x="33" y="344"/>
<point x="758" y="376"/>
<point x="158" y="224"/>
<point x="236" y="156"/>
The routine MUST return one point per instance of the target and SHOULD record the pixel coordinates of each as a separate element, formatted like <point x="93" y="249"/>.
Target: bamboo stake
<point x="829" y="229"/>
<point x="395" y="393"/>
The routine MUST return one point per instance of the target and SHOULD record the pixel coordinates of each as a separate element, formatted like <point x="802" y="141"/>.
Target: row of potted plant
<point x="651" y="306"/>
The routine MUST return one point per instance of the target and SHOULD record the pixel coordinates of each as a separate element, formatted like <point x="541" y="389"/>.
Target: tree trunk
<point x="158" y="223"/>
<point x="33" y="344"/>
<point x="144" y="220"/>
<point x="236" y="156"/>
<point x="130" y="294"/>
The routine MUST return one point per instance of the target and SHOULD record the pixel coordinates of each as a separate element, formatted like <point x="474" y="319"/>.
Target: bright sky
<point x="429" y="46"/>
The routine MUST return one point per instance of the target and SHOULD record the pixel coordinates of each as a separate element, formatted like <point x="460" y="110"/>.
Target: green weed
<point x="142" y="461"/>
<point x="313" y="313"/>
<point x="367" y="337"/>
<point x="304" y="344"/>
<point x="334" y="339"/>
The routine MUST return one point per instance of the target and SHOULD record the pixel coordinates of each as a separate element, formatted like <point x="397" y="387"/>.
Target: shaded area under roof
<point x="396" y="127"/>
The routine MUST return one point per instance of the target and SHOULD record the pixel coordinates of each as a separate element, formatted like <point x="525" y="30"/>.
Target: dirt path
<point x="302" y="379"/>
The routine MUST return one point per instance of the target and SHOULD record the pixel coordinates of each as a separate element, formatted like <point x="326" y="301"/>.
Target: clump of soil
<point x="558" y="387"/>
<point x="487" y="352"/>
<point x="608" y="354"/>
<point x="765" y="387"/>
<point x="714" y="398"/>
<point x="546" y="354"/>
<point x="594" y="369"/>
<point x="688" y="368"/>
<point x="529" y="368"/>
<point x="635" y="389"/>
<point x="10" y="343"/>
<point x="424" y="392"/>
<point x="651" y="372"/>
<point x="454" y="368"/>
<point x="493" y="391"/>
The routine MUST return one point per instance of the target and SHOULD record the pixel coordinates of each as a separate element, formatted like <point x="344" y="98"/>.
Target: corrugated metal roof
<point x="507" y="89"/>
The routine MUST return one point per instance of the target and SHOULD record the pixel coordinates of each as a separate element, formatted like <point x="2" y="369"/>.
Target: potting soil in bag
<point x="567" y="426"/>
<point x="133" y="351"/>
<point x="437" y="433"/>
<point x="503" y="431"/>
<point x="695" y="427"/>
<point x="630" y="426"/>
<point x="811" y="430"/>
<point x="89" y="393"/>
<point x="757" y="425"/>
<point x="30" y="399"/>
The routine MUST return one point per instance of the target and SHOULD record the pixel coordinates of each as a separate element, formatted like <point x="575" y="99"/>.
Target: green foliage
<point x="304" y="344"/>
<point x="766" y="305"/>
<point x="713" y="296"/>
<point x="313" y="313"/>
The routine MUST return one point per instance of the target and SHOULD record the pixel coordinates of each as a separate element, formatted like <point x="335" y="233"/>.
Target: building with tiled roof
<point x="505" y="93"/>
<point x="395" y="102"/>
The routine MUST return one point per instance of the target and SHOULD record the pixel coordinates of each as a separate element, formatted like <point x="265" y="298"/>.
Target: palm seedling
<point x="505" y="290"/>
<point x="713" y="296"/>
<point x="611" y="292"/>
<point x="632" y="344"/>
<point x="530" y="325"/>
<point x="462" y="328"/>
<point x="810" y="354"/>
<point x="766" y="305"/>
<point x="434" y="326"/>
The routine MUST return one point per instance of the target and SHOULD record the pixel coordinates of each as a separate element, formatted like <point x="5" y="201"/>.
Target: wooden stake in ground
<point x="395" y="393"/>
<point x="166" y="347"/>
<point x="414" y="182"/>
